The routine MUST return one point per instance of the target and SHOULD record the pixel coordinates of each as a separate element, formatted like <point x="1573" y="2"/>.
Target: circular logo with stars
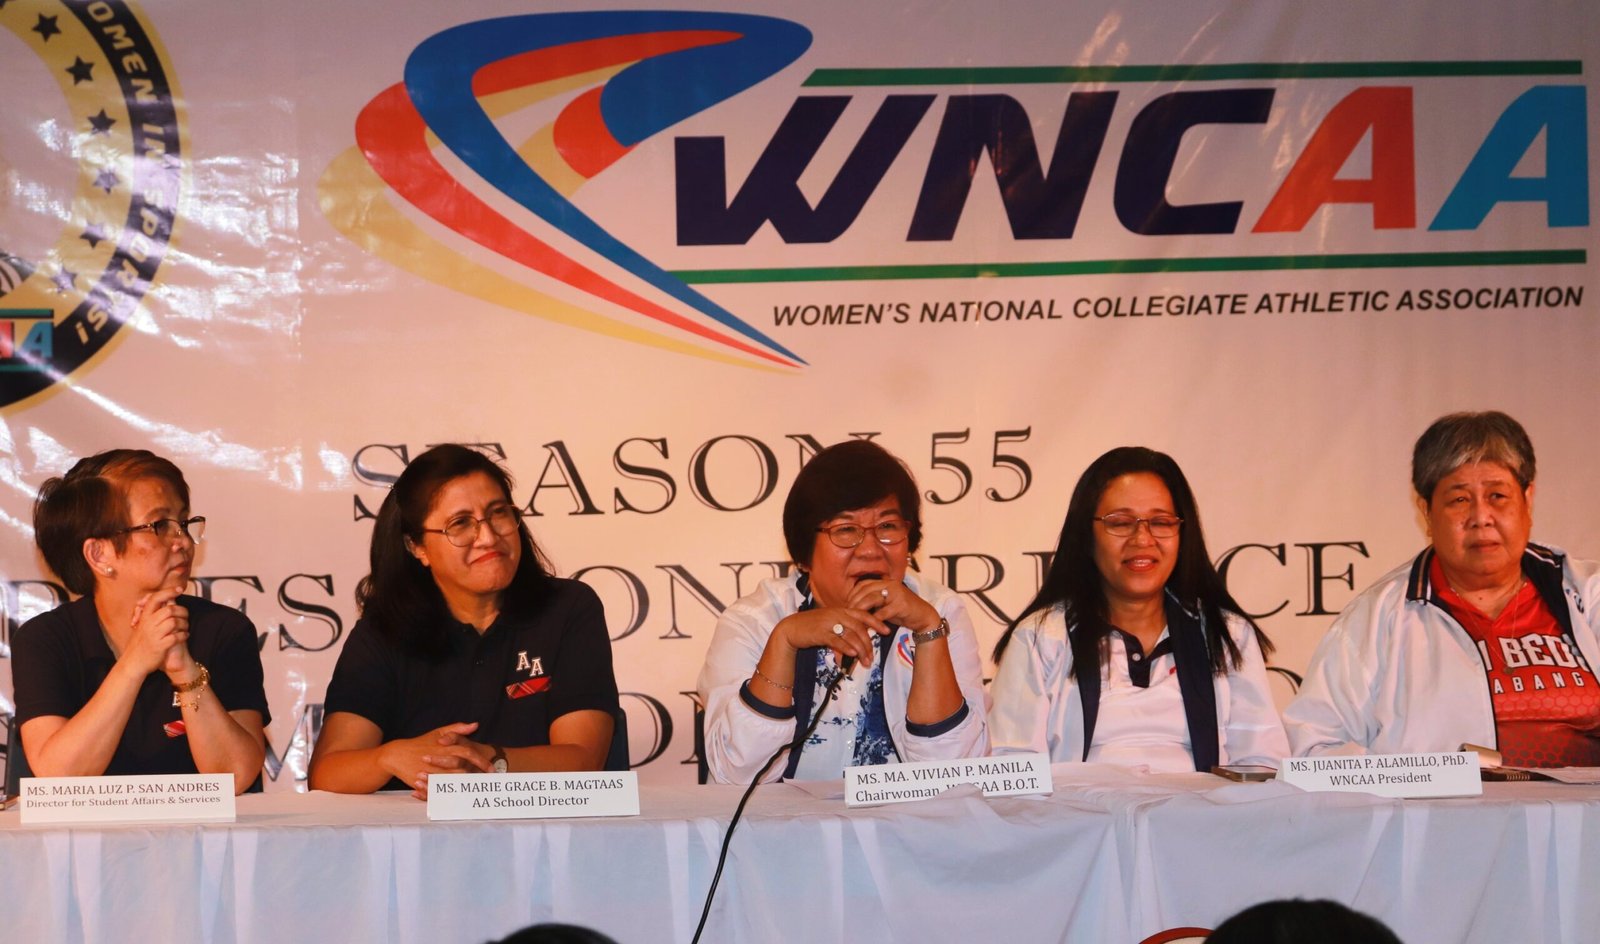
<point x="90" y="177"/>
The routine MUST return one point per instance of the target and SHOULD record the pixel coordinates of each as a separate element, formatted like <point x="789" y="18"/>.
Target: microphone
<point x="849" y="664"/>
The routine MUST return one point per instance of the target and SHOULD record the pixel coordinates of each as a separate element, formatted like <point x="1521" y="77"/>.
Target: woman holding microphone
<point x="899" y="646"/>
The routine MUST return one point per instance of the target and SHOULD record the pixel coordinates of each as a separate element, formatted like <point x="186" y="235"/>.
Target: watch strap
<point x="938" y="632"/>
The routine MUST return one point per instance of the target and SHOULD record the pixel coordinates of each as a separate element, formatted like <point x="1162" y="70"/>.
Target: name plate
<point x="199" y="798"/>
<point x="1009" y="775"/>
<point x="532" y="796"/>
<point x="1392" y="775"/>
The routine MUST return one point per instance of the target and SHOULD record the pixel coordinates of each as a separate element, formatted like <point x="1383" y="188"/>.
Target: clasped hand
<point x="159" y="638"/>
<point x="444" y="750"/>
<point x="874" y="608"/>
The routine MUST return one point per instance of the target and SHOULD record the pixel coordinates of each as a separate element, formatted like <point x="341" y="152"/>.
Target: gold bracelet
<point x="192" y="687"/>
<point x="773" y="682"/>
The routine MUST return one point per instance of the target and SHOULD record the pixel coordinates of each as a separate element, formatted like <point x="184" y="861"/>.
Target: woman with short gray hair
<point x="1460" y="439"/>
<point x="1484" y="638"/>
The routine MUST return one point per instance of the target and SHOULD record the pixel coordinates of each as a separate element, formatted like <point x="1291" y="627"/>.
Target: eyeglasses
<point x="1161" y="526"/>
<point x="851" y="535"/>
<point x="462" y="530"/>
<point x="168" y="529"/>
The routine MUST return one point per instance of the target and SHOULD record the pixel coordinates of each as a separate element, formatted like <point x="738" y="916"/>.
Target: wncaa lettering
<point x="1045" y="203"/>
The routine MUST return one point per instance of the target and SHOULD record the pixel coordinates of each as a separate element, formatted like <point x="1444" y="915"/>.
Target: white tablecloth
<point x="1110" y="857"/>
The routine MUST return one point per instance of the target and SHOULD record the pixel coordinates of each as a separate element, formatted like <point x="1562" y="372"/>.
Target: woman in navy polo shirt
<point x="469" y="656"/>
<point x="133" y="677"/>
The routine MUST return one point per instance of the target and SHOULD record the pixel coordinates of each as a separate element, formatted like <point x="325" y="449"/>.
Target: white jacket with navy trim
<point x="738" y="739"/>
<point x="1396" y="674"/>
<point x="1037" y="704"/>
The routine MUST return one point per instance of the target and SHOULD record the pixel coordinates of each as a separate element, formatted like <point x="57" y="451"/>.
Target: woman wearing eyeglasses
<point x="133" y="677"/>
<point x="469" y="656"/>
<point x="1133" y="652"/>
<point x="913" y="684"/>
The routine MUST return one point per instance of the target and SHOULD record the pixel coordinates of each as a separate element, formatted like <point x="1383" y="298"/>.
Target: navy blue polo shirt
<point x="59" y="660"/>
<point x="527" y="669"/>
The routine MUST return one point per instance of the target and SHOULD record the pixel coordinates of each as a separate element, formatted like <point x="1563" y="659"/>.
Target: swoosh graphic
<point x="635" y="75"/>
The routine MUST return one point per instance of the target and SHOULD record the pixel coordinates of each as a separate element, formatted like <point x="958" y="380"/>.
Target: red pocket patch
<point x="531" y="686"/>
<point x="175" y="729"/>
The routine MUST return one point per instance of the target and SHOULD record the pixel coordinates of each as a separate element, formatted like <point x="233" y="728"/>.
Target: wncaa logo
<point x="624" y="77"/>
<point x="64" y="298"/>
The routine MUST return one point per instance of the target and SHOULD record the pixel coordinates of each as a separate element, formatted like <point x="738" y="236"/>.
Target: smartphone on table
<point x="1246" y="773"/>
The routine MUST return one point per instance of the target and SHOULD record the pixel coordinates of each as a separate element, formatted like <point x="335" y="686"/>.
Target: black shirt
<point x="59" y="660"/>
<point x="527" y="669"/>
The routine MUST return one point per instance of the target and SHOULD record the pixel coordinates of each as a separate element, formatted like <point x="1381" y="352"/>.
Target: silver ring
<point x="838" y="629"/>
<point x="885" y="592"/>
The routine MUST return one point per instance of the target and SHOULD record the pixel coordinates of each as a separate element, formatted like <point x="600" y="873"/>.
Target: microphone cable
<point x="727" y="837"/>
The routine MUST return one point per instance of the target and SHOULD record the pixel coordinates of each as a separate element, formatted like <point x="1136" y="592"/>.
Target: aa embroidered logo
<point x="78" y="259"/>
<point x="610" y="80"/>
<point x="537" y="680"/>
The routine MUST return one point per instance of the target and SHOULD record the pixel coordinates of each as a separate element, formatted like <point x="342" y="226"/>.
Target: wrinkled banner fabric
<point x="655" y="259"/>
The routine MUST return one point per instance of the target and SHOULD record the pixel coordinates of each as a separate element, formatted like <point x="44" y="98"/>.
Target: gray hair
<point x="1459" y="438"/>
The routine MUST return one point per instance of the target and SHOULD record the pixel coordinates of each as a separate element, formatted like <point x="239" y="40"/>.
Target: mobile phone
<point x="1245" y="773"/>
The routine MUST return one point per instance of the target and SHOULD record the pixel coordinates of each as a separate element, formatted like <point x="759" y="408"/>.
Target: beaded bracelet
<point x="192" y="687"/>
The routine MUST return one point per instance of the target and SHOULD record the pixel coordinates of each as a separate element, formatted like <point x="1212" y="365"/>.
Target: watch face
<point x="499" y="765"/>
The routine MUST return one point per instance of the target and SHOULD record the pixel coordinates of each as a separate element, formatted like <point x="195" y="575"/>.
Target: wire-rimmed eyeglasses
<point x="1161" y="526"/>
<point x="462" y="530"/>
<point x="887" y="533"/>
<point x="168" y="529"/>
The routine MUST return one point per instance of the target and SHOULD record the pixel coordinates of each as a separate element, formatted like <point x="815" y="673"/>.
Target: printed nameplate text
<point x="1008" y="775"/>
<point x="194" y="798"/>
<point x="533" y="796"/>
<point x="1391" y="775"/>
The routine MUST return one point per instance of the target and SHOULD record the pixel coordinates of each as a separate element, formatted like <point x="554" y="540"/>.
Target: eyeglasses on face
<point x="462" y="530"/>
<point x="851" y="535"/>
<point x="168" y="529"/>
<point x="1120" y="525"/>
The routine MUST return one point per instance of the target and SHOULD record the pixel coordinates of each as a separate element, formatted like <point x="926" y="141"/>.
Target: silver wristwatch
<point x="938" y="632"/>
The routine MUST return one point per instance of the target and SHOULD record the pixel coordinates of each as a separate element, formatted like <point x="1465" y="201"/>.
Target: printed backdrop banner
<point x="654" y="259"/>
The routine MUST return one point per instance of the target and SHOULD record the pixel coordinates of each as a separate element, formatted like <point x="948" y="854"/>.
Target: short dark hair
<point x="845" y="476"/>
<point x="1456" y="439"/>
<point x="556" y="934"/>
<point x="91" y="501"/>
<point x="1297" y="921"/>
<point x="399" y="595"/>
<point x="1074" y="581"/>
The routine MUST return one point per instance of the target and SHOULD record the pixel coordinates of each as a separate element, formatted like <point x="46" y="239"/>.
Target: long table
<point x="1109" y="857"/>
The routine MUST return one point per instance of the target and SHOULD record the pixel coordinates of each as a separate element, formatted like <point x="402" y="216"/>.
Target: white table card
<point x="1392" y="775"/>
<point x="200" y="798"/>
<point x="533" y="796"/>
<point x="1009" y="775"/>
